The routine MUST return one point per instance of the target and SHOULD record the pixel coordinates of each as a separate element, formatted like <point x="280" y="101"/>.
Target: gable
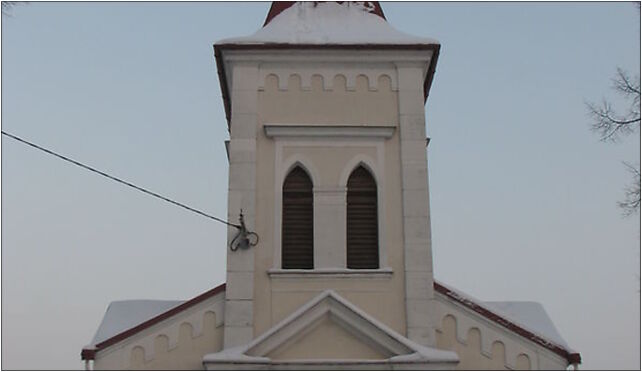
<point x="327" y="340"/>
<point x="325" y="331"/>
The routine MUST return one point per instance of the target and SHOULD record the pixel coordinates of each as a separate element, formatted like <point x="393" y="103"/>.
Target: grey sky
<point x="523" y="195"/>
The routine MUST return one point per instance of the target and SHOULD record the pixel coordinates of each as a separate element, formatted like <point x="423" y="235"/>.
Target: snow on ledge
<point x="305" y="315"/>
<point x="328" y="23"/>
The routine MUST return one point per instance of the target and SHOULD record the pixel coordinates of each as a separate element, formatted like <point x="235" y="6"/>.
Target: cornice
<point x="325" y="131"/>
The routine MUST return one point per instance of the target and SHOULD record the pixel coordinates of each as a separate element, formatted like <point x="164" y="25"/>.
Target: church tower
<point x="331" y="267"/>
<point x="327" y="152"/>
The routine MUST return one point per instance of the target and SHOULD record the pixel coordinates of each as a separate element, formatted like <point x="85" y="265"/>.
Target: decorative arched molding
<point x="384" y="82"/>
<point x="294" y="82"/>
<point x="473" y="336"/>
<point x="523" y="362"/>
<point x="169" y="330"/>
<point x="365" y="161"/>
<point x="211" y="317"/>
<point x="317" y="83"/>
<point x="148" y="345"/>
<point x="270" y="80"/>
<point x="512" y="350"/>
<point x="299" y="160"/>
<point x="186" y="331"/>
<point x="448" y="330"/>
<point x="161" y="344"/>
<point x="340" y="79"/>
<point x="137" y="357"/>
<point x="339" y="82"/>
<point x="498" y="352"/>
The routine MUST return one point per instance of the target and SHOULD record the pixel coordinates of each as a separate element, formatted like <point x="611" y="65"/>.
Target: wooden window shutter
<point x="362" y="221"/>
<point x="297" y="222"/>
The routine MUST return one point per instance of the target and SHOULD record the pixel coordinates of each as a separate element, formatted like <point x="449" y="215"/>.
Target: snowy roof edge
<point x="325" y="25"/>
<point x="573" y="357"/>
<point x="328" y="22"/>
<point x="122" y="315"/>
<point x="89" y="352"/>
<point x="475" y="305"/>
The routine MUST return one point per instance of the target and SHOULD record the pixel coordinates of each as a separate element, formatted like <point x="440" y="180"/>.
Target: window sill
<point x="383" y="273"/>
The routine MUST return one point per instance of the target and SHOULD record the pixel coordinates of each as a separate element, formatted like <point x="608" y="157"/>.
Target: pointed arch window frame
<point x="376" y="165"/>
<point x="290" y="172"/>
<point x="283" y="169"/>
<point x="352" y="241"/>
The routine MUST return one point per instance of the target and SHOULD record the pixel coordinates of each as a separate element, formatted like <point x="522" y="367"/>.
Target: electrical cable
<point x="141" y="189"/>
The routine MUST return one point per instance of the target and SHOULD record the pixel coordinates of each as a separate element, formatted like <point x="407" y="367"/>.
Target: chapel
<point x="331" y="267"/>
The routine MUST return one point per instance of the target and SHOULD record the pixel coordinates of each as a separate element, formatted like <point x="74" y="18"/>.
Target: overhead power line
<point x="113" y="178"/>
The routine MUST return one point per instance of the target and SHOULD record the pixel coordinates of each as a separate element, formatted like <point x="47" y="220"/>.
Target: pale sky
<point x="523" y="195"/>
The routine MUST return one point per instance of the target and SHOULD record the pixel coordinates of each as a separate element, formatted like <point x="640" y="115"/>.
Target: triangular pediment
<point x="328" y="339"/>
<point x="328" y="328"/>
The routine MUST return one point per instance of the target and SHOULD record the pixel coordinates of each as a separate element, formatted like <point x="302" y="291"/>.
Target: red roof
<point x="279" y="6"/>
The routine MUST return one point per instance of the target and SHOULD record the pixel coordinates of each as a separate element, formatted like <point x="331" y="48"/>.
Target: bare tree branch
<point x="612" y="126"/>
<point x="609" y="125"/>
<point x="625" y="84"/>
<point x="631" y="203"/>
<point x="7" y="7"/>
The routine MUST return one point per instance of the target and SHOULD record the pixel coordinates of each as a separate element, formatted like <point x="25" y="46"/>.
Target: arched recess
<point x="447" y="336"/>
<point x="297" y="222"/>
<point x="137" y="358"/>
<point x="498" y="355"/>
<point x="362" y="230"/>
<point x="473" y="340"/>
<point x="185" y="333"/>
<point x="523" y="363"/>
<point x="161" y="344"/>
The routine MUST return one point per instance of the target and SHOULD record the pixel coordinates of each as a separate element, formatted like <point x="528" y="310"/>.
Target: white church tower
<point x="328" y="163"/>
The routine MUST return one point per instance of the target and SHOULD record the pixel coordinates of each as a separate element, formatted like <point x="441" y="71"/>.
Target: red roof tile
<point x="278" y="6"/>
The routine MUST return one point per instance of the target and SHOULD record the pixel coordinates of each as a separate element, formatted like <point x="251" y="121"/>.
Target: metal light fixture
<point x="244" y="239"/>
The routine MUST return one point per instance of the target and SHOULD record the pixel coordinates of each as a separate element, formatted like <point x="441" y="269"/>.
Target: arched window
<point x="296" y="231"/>
<point x="362" y="225"/>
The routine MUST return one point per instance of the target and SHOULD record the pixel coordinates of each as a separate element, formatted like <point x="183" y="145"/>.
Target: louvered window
<point x="362" y="221"/>
<point x="297" y="232"/>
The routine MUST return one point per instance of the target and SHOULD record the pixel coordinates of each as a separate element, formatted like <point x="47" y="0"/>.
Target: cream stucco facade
<point x="329" y="109"/>
<point x="177" y="342"/>
<point x="324" y="112"/>
<point x="484" y="344"/>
